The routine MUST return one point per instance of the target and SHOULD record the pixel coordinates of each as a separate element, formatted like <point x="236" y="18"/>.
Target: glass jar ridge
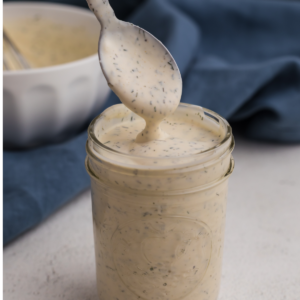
<point x="120" y="169"/>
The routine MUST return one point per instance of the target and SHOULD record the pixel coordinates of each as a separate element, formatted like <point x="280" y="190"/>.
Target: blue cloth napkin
<point x="238" y="58"/>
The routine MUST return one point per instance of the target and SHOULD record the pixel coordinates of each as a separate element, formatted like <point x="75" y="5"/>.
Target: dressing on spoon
<point x="139" y="69"/>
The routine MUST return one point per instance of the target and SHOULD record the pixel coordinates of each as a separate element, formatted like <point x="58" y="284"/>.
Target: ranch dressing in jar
<point x="159" y="176"/>
<point x="159" y="207"/>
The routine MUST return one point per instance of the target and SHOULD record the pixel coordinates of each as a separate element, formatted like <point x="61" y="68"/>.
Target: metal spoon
<point x="13" y="53"/>
<point x="137" y="66"/>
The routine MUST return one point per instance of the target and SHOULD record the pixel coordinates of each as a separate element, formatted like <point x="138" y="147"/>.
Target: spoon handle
<point x="103" y="12"/>
<point x="14" y="54"/>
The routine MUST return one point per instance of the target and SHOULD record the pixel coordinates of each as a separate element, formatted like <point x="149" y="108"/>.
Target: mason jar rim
<point x="92" y="137"/>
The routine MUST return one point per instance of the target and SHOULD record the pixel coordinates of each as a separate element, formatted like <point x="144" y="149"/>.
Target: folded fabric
<point x="238" y="58"/>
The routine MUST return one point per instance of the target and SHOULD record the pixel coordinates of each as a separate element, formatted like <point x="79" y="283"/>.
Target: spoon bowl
<point x="138" y="67"/>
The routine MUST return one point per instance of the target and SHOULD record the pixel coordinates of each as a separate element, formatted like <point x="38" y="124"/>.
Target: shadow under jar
<point x="159" y="222"/>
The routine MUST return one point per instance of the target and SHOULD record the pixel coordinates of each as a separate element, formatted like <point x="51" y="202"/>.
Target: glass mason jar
<point x="159" y="228"/>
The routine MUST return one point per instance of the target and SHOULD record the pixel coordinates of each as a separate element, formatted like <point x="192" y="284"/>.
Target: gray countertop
<point x="55" y="260"/>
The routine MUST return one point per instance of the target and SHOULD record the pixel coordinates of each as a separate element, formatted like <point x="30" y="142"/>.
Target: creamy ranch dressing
<point x="44" y="42"/>
<point x="162" y="248"/>
<point x="159" y="176"/>
<point x="158" y="220"/>
<point x="139" y="70"/>
<point x="184" y="137"/>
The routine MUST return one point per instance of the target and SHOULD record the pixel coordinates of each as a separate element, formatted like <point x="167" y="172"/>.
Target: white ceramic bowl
<point x="48" y="104"/>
